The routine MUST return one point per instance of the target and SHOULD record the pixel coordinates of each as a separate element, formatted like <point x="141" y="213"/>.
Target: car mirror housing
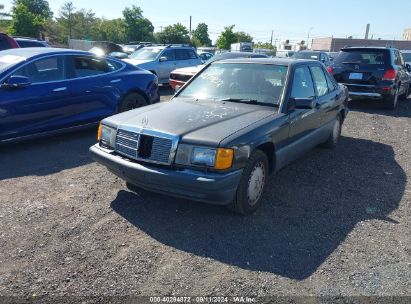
<point x="16" y="82"/>
<point x="163" y="59"/>
<point x="300" y="103"/>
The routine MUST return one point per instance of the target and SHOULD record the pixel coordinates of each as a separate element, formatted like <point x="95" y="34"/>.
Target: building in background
<point x="330" y="44"/>
<point x="407" y="34"/>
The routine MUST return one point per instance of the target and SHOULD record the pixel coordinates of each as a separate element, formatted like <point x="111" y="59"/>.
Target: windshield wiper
<point x="245" y="100"/>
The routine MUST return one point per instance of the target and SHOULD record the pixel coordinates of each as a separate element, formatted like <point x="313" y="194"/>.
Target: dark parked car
<point x="221" y="136"/>
<point x="105" y="48"/>
<point x="377" y="73"/>
<point x="179" y="77"/>
<point x="30" y="42"/>
<point x="46" y="90"/>
<point x="313" y="55"/>
<point x="6" y="42"/>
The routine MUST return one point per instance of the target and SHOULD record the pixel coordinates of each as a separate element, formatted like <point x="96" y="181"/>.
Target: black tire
<point x="132" y="101"/>
<point x="334" y="137"/>
<point x="390" y="102"/>
<point x="404" y="95"/>
<point x="243" y="203"/>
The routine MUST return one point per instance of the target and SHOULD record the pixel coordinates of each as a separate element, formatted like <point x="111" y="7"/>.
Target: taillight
<point x="330" y="70"/>
<point x="390" y="75"/>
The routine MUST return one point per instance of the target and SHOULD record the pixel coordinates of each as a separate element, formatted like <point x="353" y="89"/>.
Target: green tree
<point x="264" y="45"/>
<point x="200" y="34"/>
<point x="29" y="17"/>
<point x="243" y="37"/>
<point x="176" y="33"/>
<point x="137" y="28"/>
<point x="226" y="38"/>
<point x="113" y="30"/>
<point x="66" y="19"/>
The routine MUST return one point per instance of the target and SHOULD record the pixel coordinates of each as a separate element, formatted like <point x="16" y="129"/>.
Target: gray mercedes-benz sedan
<point x="226" y="130"/>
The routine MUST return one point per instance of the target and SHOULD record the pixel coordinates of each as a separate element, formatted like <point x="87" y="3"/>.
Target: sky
<point x="293" y="19"/>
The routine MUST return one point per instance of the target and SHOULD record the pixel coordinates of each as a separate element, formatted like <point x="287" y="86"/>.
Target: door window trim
<point x="66" y="61"/>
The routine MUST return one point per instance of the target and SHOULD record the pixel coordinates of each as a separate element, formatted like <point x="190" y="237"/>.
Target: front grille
<point x="144" y="147"/>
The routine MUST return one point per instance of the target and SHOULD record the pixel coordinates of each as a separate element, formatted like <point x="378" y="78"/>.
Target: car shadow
<point x="309" y="209"/>
<point x="403" y="108"/>
<point x="46" y="155"/>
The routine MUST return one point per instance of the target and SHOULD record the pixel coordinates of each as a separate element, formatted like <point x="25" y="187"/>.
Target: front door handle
<point x="60" y="89"/>
<point x="115" y="81"/>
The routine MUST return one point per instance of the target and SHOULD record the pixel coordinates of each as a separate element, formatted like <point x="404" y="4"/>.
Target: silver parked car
<point x="161" y="60"/>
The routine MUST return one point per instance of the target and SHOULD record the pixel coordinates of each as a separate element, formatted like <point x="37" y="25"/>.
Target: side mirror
<point x="16" y="82"/>
<point x="300" y="103"/>
<point x="163" y="59"/>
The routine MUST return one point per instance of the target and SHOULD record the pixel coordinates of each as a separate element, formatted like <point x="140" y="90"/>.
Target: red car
<point x="179" y="77"/>
<point x="6" y="42"/>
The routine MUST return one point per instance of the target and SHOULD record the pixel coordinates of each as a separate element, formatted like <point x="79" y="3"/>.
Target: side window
<point x="182" y="54"/>
<point x="44" y="70"/>
<point x="89" y="66"/>
<point x="169" y="54"/>
<point x="113" y="65"/>
<point x="192" y="54"/>
<point x="302" y="84"/>
<point x="330" y="82"/>
<point x="397" y="58"/>
<point x="320" y="81"/>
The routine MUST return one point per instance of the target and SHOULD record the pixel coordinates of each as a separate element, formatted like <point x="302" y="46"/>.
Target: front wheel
<point x="252" y="185"/>
<point x="132" y="101"/>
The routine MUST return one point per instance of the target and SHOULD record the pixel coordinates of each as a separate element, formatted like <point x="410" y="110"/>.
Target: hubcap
<point x="256" y="183"/>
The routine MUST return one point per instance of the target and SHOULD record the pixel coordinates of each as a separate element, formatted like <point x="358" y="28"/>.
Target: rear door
<point x="326" y="95"/>
<point x="94" y="87"/>
<point x="42" y="106"/>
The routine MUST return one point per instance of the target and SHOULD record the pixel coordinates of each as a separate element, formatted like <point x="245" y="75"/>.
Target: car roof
<point x="37" y="51"/>
<point x="368" y="47"/>
<point x="273" y="61"/>
<point x="405" y="51"/>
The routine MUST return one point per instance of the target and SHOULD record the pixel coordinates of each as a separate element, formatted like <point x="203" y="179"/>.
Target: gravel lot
<point x="336" y="222"/>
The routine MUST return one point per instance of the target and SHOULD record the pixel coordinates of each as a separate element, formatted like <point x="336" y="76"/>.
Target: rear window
<point x="363" y="57"/>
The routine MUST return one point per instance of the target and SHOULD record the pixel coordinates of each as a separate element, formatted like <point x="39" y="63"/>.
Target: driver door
<point x="38" y="107"/>
<point x="167" y="66"/>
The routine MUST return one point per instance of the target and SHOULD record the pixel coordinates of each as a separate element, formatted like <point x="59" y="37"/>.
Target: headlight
<point x="106" y="136"/>
<point x="219" y="159"/>
<point x="203" y="156"/>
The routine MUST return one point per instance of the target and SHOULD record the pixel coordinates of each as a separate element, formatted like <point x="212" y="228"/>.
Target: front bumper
<point x="209" y="187"/>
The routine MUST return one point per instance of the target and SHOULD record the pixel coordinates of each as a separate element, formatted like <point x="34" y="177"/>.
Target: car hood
<point x="136" y="62"/>
<point x="189" y="70"/>
<point x="196" y="122"/>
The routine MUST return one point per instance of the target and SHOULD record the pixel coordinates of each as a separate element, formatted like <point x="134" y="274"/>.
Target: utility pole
<point x="308" y="37"/>
<point x="272" y="34"/>
<point x="190" y="26"/>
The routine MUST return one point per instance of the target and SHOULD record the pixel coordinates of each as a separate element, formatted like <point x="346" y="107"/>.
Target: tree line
<point x="34" y="18"/>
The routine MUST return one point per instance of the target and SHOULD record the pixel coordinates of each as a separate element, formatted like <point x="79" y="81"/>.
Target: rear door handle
<point x="115" y="81"/>
<point x="60" y="89"/>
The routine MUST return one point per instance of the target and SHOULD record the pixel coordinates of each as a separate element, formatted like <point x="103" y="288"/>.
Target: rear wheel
<point x="332" y="141"/>
<point x="132" y="101"/>
<point x="390" y="102"/>
<point x="252" y="185"/>
<point x="404" y="96"/>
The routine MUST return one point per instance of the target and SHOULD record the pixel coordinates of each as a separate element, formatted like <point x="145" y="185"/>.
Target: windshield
<point x="146" y="54"/>
<point x="7" y="61"/>
<point x="305" y="55"/>
<point x="239" y="82"/>
<point x="362" y="57"/>
<point x="407" y="57"/>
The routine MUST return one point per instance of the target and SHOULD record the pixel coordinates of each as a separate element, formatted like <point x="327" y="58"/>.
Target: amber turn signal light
<point x="99" y="132"/>
<point x="224" y="159"/>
